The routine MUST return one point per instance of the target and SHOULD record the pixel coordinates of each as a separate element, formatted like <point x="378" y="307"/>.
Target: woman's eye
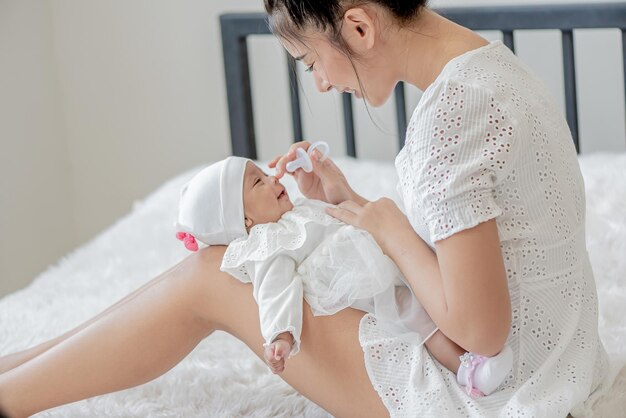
<point x="309" y="68"/>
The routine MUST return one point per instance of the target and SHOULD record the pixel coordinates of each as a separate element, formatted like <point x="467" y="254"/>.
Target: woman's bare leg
<point x="11" y="361"/>
<point x="148" y="335"/>
<point x="130" y="345"/>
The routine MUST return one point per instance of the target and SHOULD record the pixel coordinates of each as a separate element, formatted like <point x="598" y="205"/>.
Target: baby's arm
<point x="278" y="292"/>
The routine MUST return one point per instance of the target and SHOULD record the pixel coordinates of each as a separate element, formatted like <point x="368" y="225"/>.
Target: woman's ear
<point x="358" y="29"/>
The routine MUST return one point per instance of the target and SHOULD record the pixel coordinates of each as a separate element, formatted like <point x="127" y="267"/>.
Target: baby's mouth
<point x="282" y="194"/>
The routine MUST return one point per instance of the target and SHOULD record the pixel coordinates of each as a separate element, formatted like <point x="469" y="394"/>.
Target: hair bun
<point x="288" y="17"/>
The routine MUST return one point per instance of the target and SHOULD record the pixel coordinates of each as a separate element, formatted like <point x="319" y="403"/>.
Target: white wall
<point x="143" y="97"/>
<point x="35" y="184"/>
<point x="102" y="101"/>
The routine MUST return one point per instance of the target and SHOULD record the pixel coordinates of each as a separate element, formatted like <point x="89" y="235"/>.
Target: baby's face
<point x="264" y="198"/>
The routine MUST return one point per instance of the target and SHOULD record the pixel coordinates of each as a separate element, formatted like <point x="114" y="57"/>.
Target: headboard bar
<point x="546" y="16"/>
<point x="296" y="115"/>
<point x="569" y="78"/>
<point x="624" y="56"/>
<point x="237" y="27"/>
<point x="507" y="39"/>
<point x="349" y="124"/>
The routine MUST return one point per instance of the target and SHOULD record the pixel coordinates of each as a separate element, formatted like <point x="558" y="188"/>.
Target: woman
<point x="490" y="181"/>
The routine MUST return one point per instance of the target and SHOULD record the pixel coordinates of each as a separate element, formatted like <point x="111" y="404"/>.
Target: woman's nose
<point x="322" y="85"/>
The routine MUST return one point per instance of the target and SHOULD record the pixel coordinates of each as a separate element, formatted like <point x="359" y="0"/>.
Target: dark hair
<point x="289" y="18"/>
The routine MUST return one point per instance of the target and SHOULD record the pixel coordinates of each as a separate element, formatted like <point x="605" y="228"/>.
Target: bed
<point x="222" y="377"/>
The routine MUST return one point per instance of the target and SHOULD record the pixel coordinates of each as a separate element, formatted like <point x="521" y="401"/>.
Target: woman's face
<point x="333" y="69"/>
<point x="264" y="198"/>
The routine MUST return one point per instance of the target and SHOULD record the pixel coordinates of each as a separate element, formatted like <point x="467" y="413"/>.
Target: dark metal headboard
<point x="236" y="27"/>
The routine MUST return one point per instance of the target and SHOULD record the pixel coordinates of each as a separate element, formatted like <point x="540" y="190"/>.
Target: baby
<point x="290" y="251"/>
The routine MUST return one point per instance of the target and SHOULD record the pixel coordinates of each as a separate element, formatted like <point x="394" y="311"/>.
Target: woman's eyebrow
<point x="301" y="56"/>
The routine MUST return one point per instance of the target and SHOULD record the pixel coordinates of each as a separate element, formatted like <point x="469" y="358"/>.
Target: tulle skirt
<point x="348" y="269"/>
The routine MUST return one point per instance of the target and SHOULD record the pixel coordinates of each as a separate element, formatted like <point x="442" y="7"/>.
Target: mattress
<point x="222" y="377"/>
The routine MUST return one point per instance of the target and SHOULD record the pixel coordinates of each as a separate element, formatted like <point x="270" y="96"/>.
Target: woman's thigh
<point x="329" y="369"/>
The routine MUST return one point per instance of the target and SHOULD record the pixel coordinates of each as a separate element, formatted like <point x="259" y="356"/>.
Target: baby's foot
<point x="482" y="375"/>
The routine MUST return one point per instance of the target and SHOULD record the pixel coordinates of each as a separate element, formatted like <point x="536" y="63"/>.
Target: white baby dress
<point x="487" y="141"/>
<point x="332" y="265"/>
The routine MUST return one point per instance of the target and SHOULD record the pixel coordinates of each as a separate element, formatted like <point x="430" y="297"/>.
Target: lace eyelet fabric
<point x="487" y="141"/>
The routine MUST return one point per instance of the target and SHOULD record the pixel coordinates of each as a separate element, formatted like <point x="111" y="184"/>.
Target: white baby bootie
<point x="482" y="375"/>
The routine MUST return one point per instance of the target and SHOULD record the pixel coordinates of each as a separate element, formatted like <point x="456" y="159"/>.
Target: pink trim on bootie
<point x="188" y="240"/>
<point x="471" y="361"/>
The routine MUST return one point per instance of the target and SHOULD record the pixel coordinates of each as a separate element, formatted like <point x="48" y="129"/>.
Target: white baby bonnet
<point x="211" y="205"/>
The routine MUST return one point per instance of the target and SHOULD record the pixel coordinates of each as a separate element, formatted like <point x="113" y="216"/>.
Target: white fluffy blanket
<point x="222" y="377"/>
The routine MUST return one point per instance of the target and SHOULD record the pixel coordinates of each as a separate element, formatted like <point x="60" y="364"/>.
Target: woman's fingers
<point x="342" y="214"/>
<point x="272" y="163"/>
<point x="301" y="144"/>
<point x="282" y="163"/>
<point x="351" y="205"/>
<point x="289" y="156"/>
<point x="320" y="167"/>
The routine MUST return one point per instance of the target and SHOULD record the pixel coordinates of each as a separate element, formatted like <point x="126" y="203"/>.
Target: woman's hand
<point x="381" y="218"/>
<point x="326" y="182"/>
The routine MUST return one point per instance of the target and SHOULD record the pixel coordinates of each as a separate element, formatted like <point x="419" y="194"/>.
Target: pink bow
<point x="188" y="239"/>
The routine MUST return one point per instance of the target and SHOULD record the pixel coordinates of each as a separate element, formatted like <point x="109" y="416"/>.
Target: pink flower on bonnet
<point x="211" y="205"/>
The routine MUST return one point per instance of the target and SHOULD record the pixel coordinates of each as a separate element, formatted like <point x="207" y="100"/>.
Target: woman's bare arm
<point x="463" y="286"/>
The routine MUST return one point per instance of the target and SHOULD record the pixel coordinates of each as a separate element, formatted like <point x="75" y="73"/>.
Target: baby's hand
<point x="277" y="353"/>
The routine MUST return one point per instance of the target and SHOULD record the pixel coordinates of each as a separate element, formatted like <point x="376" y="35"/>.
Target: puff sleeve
<point x="468" y="149"/>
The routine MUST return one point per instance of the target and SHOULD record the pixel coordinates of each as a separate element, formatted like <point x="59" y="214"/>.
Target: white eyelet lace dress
<point x="487" y="141"/>
<point x="332" y="265"/>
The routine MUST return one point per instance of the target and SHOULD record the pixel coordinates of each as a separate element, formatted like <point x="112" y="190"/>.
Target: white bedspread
<point x="222" y="377"/>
